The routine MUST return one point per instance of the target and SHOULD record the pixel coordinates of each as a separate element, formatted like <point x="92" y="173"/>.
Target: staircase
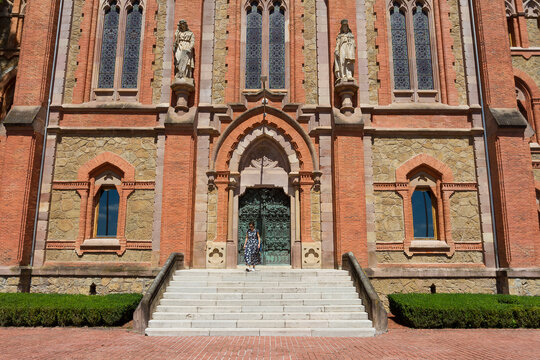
<point x="267" y="302"/>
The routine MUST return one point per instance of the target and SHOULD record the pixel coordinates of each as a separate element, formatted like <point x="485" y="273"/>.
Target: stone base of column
<point x="232" y="255"/>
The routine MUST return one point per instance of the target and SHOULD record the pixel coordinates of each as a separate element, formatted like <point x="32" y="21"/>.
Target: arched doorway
<point x="270" y="210"/>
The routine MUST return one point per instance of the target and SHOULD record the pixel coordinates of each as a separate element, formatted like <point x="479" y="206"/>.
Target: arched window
<point x="132" y="47"/>
<point x="107" y="212"/>
<point x="413" y="55"/>
<point x="253" y="46"/>
<point x="524" y="101"/>
<point x="400" y="51"/>
<point x="424" y="208"/>
<point x="265" y="52"/>
<point x="276" y="53"/>
<point x="109" y="42"/>
<point x="119" y="49"/>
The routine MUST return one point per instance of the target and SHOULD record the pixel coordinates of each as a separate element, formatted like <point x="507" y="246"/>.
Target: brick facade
<point x="349" y="174"/>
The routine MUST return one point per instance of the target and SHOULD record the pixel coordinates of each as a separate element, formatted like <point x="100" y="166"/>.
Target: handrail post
<point x="153" y="295"/>
<point x="372" y="303"/>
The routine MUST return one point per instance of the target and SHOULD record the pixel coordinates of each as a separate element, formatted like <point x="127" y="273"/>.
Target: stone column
<point x="231" y="249"/>
<point x="296" y="250"/>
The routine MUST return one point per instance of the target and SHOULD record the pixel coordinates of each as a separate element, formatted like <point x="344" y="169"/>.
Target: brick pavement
<point x="83" y="343"/>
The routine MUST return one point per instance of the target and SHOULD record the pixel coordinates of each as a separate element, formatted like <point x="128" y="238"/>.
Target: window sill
<point x="109" y="95"/>
<point x="429" y="246"/>
<point x="100" y="243"/>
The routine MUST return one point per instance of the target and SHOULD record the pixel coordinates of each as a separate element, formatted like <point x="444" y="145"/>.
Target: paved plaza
<point x="398" y="343"/>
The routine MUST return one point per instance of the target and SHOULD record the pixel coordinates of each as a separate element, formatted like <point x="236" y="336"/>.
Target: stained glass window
<point x="253" y="47"/>
<point x="276" y="56"/>
<point x="107" y="213"/>
<point x="399" y="49"/>
<point x="422" y="46"/>
<point x="108" y="46"/>
<point x="132" y="46"/>
<point x="423" y="211"/>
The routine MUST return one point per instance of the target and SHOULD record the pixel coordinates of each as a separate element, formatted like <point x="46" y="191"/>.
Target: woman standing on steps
<point x="251" y="247"/>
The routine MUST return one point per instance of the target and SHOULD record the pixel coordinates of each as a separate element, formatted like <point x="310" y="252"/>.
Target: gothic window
<point x="253" y="47"/>
<point x="265" y="52"/>
<point x="399" y="49"/>
<point x="119" y="46"/>
<point x="108" y="45"/>
<point x="276" y="52"/>
<point x="130" y="71"/>
<point x="524" y="101"/>
<point x="424" y="214"/>
<point x="424" y="68"/>
<point x="413" y="55"/>
<point x="107" y="213"/>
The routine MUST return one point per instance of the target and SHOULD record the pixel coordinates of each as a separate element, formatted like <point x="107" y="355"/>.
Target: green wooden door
<point x="270" y="210"/>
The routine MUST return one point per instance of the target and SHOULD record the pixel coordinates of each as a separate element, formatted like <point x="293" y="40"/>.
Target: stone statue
<point x="184" y="42"/>
<point x="345" y="54"/>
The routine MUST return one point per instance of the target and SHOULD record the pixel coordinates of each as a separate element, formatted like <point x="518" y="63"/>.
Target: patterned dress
<point x="252" y="248"/>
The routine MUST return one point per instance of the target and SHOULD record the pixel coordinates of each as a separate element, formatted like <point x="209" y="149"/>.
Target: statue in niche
<point x="345" y="54"/>
<point x="184" y="42"/>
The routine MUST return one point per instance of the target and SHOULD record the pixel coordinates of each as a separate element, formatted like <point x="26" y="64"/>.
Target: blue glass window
<point x="423" y="210"/>
<point x="277" y="48"/>
<point x="399" y="49"/>
<point x="108" y="46"/>
<point x="130" y="72"/>
<point x="107" y="213"/>
<point x="253" y="47"/>
<point x="422" y="46"/>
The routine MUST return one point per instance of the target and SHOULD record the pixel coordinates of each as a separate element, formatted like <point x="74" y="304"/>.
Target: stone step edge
<point x="322" y="332"/>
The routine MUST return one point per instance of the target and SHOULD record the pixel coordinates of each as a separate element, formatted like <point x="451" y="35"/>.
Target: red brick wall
<point x="22" y="145"/>
<point x="513" y="185"/>
<point x="177" y="206"/>
<point x="350" y="196"/>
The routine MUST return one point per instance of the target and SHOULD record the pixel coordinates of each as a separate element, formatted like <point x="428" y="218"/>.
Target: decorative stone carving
<point x="215" y="255"/>
<point x="531" y="8"/>
<point x="345" y="54"/>
<point x="311" y="255"/>
<point x="184" y="42"/>
<point x="510" y="7"/>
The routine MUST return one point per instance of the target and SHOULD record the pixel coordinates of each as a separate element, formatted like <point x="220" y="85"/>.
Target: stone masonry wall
<point x="133" y="256"/>
<point x="390" y="153"/>
<point x="212" y="215"/>
<point x="389" y="225"/>
<point x="220" y="51"/>
<point x="385" y="287"/>
<point x="73" y="51"/>
<point x="157" y="65"/>
<point x="310" y="52"/>
<point x="78" y="285"/>
<point x="534" y="32"/>
<point x="536" y="173"/>
<point x="73" y="152"/>
<point x="457" y="50"/>
<point x="530" y="66"/>
<point x="140" y="215"/>
<point x="64" y="215"/>
<point x="316" y="215"/>
<point x="528" y="287"/>
<point x="372" y="53"/>
<point x="465" y="217"/>
<point x="459" y="257"/>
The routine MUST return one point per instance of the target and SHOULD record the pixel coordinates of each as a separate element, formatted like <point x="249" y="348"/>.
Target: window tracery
<point x="413" y="54"/>
<point x="118" y="49"/>
<point x="266" y="36"/>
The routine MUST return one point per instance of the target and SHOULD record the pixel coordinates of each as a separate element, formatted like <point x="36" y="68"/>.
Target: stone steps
<point x="268" y="302"/>
<point x="331" y="332"/>
<point x="360" y="315"/>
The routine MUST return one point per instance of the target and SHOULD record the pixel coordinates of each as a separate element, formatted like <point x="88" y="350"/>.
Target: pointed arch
<point x="275" y="119"/>
<point x="426" y="162"/>
<point x="103" y="161"/>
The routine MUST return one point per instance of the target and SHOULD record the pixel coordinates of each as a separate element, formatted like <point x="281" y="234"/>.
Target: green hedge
<point x="23" y="309"/>
<point x="435" y="311"/>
